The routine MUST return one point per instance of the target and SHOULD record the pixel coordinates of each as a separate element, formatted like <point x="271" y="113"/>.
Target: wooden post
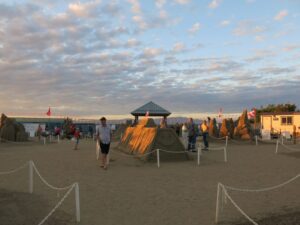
<point x="77" y="202"/>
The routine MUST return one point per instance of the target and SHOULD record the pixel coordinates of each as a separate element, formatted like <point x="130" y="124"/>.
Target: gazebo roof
<point x="152" y="108"/>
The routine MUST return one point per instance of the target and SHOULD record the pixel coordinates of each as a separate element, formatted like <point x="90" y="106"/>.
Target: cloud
<point x="160" y="3"/>
<point x="225" y="23"/>
<point x="135" y="6"/>
<point x="83" y="9"/>
<point x="178" y="47"/>
<point x="182" y="2"/>
<point x="248" y="27"/>
<point x="281" y="15"/>
<point x="214" y="4"/>
<point x="195" y="28"/>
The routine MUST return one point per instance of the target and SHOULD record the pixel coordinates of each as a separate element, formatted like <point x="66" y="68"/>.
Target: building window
<point x="286" y="120"/>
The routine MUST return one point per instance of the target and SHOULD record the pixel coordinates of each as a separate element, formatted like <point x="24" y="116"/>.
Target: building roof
<point x="152" y="108"/>
<point x="279" y="113"/>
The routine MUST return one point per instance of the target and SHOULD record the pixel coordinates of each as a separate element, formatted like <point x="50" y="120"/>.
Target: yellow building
<point x="280" y="122"/>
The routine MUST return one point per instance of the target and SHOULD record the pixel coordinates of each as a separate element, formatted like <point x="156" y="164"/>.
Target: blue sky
<point x="91" y="58"/>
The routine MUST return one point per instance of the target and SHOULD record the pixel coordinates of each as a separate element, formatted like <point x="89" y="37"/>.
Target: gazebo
<point x="150" y="109"/>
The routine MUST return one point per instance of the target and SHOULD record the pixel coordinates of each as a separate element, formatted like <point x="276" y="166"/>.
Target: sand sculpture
<point x="242" y="129"/>
<point x="224" y="130"/>
<point x="120" y="132"/>
<point x="213" y="130"/>
<point x="10" y="130"/>
<point x="146" y="137"/>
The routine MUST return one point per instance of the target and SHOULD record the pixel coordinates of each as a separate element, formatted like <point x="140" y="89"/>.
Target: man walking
<point x="104" y="137"/>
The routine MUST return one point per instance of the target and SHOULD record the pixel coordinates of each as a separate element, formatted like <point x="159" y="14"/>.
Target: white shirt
<point x="104" y="134"/>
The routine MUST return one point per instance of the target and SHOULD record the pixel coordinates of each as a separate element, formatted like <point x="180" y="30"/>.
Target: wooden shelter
<point x="150" y="109"/>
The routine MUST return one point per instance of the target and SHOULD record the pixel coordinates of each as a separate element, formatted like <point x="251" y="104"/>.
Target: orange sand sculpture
<point x="243" y="128"/>
<point x="147" y="137"/>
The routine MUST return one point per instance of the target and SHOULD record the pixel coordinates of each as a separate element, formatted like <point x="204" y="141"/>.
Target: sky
<point x="92" y="58"/>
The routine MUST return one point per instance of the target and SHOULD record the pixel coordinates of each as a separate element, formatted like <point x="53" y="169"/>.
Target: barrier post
<point x="282" y="139"/>
<point x="256" y="140"/>
<point x="77" y="202"/>
<point x="225" y="154"/>
<point x="277" y="143"/>
<point x="30" y="177"/>
<point x="158" y="159"/>
<point x="44" y="140"/>
<point x="50" y="138"/>
<point x="218" y="203"/>
<point x="58" y="138"/>
<point x="121" y="136"/>
<point x="226" y="141"/>
<point x="199" y="154"/>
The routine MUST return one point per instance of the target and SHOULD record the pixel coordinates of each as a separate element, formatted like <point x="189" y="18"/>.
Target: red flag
<point x="49" y="112"/>
<point x="252" y="113"/>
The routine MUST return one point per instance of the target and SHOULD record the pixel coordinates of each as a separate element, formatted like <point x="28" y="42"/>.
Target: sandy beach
<point x="135" y="192"/>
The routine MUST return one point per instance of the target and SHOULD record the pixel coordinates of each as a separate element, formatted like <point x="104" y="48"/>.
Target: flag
<point x="147" y="114"/>
<point x="220" y="112"/>
<point x="252" y="113"/>
<point x="49" y="112"/>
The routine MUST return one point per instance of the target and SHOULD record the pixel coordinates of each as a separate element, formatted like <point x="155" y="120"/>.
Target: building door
<point x="267" y="122"/>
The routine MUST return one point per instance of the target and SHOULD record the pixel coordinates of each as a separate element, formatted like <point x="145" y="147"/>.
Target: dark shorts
<point x="104" y="148"/>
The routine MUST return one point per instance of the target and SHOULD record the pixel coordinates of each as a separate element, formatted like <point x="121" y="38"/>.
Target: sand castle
<point x="10" y="130"/>
<point x="147" y="137"/>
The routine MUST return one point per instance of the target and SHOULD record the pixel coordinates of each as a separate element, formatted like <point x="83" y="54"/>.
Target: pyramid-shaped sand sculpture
<point x="146" y="137"/>
<point x="10" y="130"/>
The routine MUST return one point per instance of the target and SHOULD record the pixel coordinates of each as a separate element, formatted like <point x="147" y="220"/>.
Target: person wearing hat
<point x="104" y="138"/>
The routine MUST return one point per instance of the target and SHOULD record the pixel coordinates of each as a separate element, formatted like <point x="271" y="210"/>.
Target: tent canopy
<point x="151" y="109"/>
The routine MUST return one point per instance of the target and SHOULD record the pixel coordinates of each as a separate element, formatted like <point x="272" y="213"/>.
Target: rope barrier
<point x="57" y="205"/>
<point x="238" y="208"/>
<point x="263" y="189"/>
<point x="46" y="183"/>
<point x="14" y="170"/>
<point x="225" y="188"/>
<point x="291" y="149"/>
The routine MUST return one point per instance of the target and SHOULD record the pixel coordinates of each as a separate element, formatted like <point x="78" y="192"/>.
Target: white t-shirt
<point x="104" y="134"/>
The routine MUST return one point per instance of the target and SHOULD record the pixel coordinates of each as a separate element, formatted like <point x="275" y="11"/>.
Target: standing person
<point x="184" y="133"/>
<point x="204" y="129"/>
<point x="39" y="131"/>
<point x="104" y="137"/>
<point x="76" y="137"/>
<point x="191" y="135"/>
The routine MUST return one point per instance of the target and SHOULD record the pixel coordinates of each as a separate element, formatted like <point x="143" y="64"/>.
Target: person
<point x="39" y="131"/>
<point x="191" y="135"/>
<point x="184" y="133"/>
<point x="177" y="129"/>
<point x="76" y="137"/>
<point x="104" y="137"/>
<point x="204" y="129"/>
<point x="163" y="123"/>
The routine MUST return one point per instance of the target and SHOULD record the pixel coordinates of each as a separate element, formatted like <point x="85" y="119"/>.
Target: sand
<point x="135" y="192"/>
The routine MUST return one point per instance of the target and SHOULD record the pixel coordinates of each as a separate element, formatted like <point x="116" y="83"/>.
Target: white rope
<point x="238" y="208"/>
<point x="46" y="183"/>
<point x="221" y="138"/>
<point x="291" y="149"/>
<point x="214" y="148"/>
<point x="262" y="189"/>
<point x="14" y="170"/>
<point x="174" y="152"/>
<point x="58" y="204"/>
